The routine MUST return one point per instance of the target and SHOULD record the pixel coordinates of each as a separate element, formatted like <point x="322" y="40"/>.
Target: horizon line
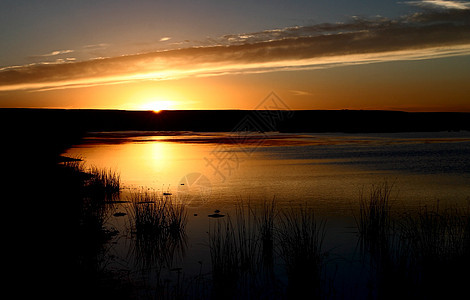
<point x="228" y="109"/>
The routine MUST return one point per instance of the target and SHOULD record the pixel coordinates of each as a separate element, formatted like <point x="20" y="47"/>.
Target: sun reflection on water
<point x="321" y="172"/>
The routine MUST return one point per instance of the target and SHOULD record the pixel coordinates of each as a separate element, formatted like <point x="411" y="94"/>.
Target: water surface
<point x="215" y="171"/>
<point x="325" y="170"/>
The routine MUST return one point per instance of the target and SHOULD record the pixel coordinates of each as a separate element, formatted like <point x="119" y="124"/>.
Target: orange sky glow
<point x="415" y="62"/>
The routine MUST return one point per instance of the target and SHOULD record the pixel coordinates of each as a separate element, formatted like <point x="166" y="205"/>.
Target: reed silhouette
<point x="158" y="225"/>
<point x="420" y="254"/>
<point x="301" y="238"/>
<point x="267" y="253"/>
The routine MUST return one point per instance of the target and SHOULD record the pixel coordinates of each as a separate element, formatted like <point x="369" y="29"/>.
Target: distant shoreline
<point x="299" y="121"/>
<point x="28" y="134"/>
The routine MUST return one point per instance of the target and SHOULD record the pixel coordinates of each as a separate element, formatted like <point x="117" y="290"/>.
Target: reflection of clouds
<point x="420" y="36"/>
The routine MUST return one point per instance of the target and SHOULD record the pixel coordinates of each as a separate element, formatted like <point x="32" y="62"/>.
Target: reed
<point x="245" y="250"/>
<point x="374" y="221"/>
<point x="225" y="258"/>
<point x="154" y="214"/>
<point x="103" y="182"/>
<point x="247" y="238"/>
<point x="436" y="234"/>
<point x="421" y="253"/>
<point x="266" y="226"/>
<point x="242" y="252"/>
<point x="92" y="182"/>
<point x="301" y="237"/>
<point x="438" y="241"/>
<point x="158" y="224"/>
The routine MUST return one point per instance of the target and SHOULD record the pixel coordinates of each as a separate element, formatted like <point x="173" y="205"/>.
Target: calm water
<point x="209" y="171"/>
<point x="324" y="170"/>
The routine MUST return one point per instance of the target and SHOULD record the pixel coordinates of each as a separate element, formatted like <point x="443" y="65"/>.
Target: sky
<point x="153" y="55"/>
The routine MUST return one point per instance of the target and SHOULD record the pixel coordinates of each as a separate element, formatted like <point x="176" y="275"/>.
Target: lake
<point x="325" y="170"/>
<point x="208" y="171"/>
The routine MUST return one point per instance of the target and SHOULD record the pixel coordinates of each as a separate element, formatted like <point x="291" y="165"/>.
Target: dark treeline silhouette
<point x="80" y="120"/>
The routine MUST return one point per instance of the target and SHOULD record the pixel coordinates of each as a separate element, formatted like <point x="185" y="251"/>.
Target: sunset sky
<point x="149" y="54"/>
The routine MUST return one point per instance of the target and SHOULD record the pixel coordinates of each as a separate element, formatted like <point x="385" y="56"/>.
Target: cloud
<point x="53" y="53"/>
<point x="59" y="52"/>
<point x="165" y="38"/>
<point x="441" y="4"/>
<point x="424" y="35"/>
<point x="300" y="93"/>
<point x="96" y="46"/>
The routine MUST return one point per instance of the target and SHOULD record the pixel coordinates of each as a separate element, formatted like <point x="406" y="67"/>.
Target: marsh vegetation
<point x="421" y="253"/>
<point x="262" y="250"/>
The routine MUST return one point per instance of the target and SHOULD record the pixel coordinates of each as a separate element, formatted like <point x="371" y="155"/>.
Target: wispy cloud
<point x="53" y="53"/>
<point x="58" y="52"/>
<point x="425" y="35"/>
<point x="441" y="4"/>
<point x="165" y="38"/>
<point x="96" y="46"/>
<point x="300" y="93"/>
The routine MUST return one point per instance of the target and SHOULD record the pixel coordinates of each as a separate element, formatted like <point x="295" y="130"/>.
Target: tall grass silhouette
<point x="235" y="254"/>
<point x="438" y="244"/>
<point x="98" y="183"/>
<point x="103" y="183"/>
<point x="158" y="223"/>
<point x="419" y="253"/>
<point x="374" y="221"/>
<point x="247" y="250"/>
<point x="301" y="238"/>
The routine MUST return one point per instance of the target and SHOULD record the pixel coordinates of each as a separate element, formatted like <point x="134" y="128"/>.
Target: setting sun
<point x="158" y="105"/>
<point x="155" y="98"/>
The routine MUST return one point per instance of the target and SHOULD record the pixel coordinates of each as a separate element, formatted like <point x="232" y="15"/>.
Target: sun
<point x="158" y="105"/>
<point x="156" y="100"/>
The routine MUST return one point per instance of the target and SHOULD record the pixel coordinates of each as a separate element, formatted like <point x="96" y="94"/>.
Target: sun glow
<point x="157" y="105"/>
